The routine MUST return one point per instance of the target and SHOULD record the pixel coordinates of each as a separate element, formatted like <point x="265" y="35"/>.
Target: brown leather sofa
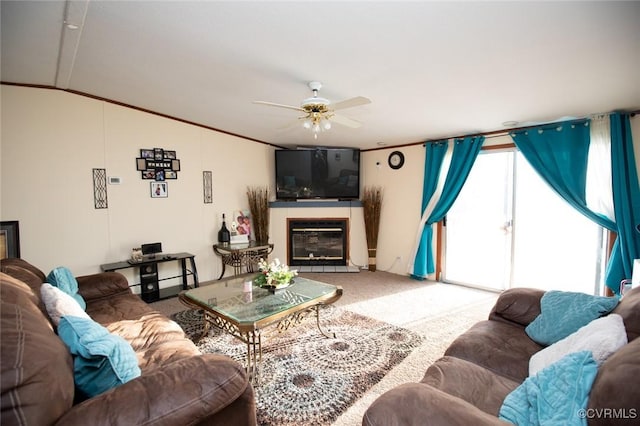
<point x="482" y="366"/>
<point x="178" y="384"/>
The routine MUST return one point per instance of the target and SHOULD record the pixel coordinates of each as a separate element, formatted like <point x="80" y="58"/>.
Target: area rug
<point x="306" y="378"/>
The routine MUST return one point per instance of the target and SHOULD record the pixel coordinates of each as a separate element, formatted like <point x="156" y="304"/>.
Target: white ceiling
<point x="431" y="69"/>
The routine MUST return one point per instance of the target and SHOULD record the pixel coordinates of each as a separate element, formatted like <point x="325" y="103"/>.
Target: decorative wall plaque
<point x="158" y="164"/>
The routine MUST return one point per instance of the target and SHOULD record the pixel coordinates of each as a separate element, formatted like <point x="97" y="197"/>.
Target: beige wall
<point x="51" y="140"/>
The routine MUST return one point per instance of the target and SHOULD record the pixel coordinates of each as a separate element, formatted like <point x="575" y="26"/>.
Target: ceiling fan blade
<point x="348" y="103"/>
<point x="345" y="121"/>
<point x="278" y="105"/>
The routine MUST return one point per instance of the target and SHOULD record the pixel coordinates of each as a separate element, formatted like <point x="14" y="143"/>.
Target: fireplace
<point x="317" y="242"/>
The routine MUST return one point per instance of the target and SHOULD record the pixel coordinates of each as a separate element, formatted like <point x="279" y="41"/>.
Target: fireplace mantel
<point x="315" y="203"/>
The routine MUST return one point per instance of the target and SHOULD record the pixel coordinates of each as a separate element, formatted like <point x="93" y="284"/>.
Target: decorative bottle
<point x="224" y="236"/>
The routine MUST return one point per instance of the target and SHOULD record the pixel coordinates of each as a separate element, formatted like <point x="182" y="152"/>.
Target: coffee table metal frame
<point x="250" y="332"/>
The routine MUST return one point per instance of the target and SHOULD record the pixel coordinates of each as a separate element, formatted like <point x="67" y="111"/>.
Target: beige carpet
<point x="439" y="312"/>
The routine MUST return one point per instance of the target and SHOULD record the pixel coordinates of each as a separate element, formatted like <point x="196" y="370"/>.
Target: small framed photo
<point x="141" y="164"/>
<point x="171" y="155"/>
<point x="158" y="153"/>
<point x="170" y="174"/>
<point x="159" y="189"/>
<point x="159" y="175"/>
<point x="146" y="153"/>
<point x="149" y="174"/>
<point x="175" y="165"/>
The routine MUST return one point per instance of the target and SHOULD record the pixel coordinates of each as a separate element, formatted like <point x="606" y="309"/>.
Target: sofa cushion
<point x="34" y="361"/>
<point x="565" y="312"/>
<point x="102" y="360"/>
<point x="58" y="303"/>
<point x="554" y="396"/>
<point x="616" y="386"/>
<point x="601" y="337"/>
<point x="62" y="278"/>
<point x="469" y="381"/>
<point x="629" y="310"/>
<point x="497" y="346"/>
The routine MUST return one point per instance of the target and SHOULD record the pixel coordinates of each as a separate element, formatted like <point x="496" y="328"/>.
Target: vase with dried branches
<point x="372" y="206"/>
<point x="259" y="206"/>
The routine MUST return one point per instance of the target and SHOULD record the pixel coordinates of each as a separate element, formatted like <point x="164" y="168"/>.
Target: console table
<point x="241" y="255"/>
<point x="150" y="290"/>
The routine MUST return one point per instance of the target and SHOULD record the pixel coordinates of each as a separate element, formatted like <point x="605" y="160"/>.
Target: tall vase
<point x="259" y="206"/>
<point x="372" y="259"/>
<point x="372" y="207"/>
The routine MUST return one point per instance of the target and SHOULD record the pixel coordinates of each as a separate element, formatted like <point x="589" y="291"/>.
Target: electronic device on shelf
<point x="317" y="173"/>
<point x="150" y="250"/>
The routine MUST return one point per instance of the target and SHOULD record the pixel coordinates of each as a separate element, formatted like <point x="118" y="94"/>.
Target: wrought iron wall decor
<point x="100" y="189"/>
<point x="158" y="164"/>
<point x="207" y="186"/>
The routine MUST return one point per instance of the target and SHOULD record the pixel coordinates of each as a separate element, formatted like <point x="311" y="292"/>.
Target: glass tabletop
<point x="248" y="307"/>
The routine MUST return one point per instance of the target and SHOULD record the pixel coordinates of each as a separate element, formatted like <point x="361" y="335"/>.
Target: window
<point x="508" y="228"/>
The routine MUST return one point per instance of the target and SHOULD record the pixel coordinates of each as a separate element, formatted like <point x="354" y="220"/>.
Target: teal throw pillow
<point x="562" y="313"/>
<point x="101" y="360"/>
<point x="62" y="278"/>
<point x="557" y="395"/>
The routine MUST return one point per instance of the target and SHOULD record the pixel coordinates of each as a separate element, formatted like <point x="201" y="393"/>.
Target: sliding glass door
<point x="509" y="229"/>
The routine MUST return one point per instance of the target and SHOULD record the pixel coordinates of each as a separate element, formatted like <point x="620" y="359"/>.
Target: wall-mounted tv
<point x="318" y="173"/>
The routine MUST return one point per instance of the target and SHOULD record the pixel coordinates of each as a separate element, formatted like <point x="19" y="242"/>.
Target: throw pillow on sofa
<point x="101" y="360"/>
<point x="602" y="337"/>
<point x="563" y="313"/>
<point x="555" y="396"/>
<point x="58" y="303"/>
<point x="62" y="278"/>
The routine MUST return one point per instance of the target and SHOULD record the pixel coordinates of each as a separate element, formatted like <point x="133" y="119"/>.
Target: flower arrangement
<point x="274" y="274"/>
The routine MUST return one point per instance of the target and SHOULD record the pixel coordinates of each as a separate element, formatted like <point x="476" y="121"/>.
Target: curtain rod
<point x="489" y="134"/>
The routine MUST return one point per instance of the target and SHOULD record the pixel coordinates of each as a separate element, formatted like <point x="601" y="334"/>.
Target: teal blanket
<point x="557" y="395"/>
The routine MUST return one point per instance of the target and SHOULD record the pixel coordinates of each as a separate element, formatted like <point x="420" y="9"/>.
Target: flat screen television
<point x="318" y="173"/>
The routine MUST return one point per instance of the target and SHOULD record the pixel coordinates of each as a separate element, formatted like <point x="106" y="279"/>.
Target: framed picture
<point x="171" y="155"/>
<point x="159" y="189"/>
<point x="9" y="239"/>
<point x="159" y="175"/>
<point x="146" y="153"/>
<point x="141" y="164"/>
<point x="175" y="165"/>
<point x="158" y="153"/>
<point x="149" y="174"/>
<point x="170" y="174"/>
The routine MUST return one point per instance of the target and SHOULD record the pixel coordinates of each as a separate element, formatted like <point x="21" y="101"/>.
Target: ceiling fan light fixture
<point x="306" y="124"/>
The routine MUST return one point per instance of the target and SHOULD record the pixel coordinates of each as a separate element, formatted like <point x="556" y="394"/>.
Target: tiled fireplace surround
<point x="326" y="214"/>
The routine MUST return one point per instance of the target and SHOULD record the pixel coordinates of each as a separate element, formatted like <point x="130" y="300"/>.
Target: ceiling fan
<point x="319" y="112"/>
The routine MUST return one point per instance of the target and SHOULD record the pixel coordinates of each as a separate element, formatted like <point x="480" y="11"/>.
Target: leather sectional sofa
<point x="178" y="385"/>
<point x="468" y="385"/>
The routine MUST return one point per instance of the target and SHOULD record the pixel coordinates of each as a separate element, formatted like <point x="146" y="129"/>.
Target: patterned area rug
<point x="306" y="378"/>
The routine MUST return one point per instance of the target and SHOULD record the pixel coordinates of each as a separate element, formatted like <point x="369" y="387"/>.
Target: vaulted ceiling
<point x="430" y="69"/>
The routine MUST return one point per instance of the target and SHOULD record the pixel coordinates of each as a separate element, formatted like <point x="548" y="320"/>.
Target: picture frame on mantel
<point x="9" y="239"/>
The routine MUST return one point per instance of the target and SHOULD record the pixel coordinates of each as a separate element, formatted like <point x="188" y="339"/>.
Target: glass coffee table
<point x="244" y="310"/>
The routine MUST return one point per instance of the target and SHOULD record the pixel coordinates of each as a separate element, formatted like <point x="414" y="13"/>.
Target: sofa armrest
<point x="104" y="284"/>
<point x="184" y="392"/>
<point x="421" y="404"/>
<point x="517" y="305"/>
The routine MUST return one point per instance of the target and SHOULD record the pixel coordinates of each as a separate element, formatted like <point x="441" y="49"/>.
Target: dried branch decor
<point x="372" y="206"/>
<point x="259" y="207"/>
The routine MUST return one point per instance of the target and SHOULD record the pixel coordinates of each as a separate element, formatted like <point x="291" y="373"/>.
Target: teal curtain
<point x="465" y="151"/>
<point x="559" y="153"/>
<point x="626" y="202"/>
